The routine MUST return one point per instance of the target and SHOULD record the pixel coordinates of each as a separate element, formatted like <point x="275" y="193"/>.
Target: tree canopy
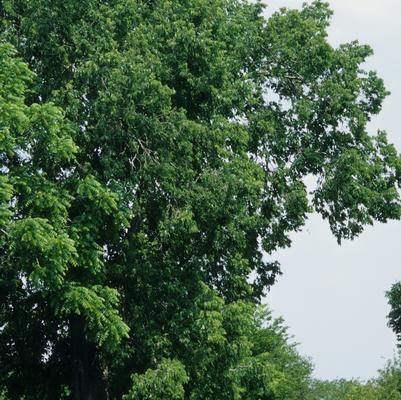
<point x="153" y="157"/>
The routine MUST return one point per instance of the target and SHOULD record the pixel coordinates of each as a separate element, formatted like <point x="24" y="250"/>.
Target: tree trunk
<point x="88" y="378"/>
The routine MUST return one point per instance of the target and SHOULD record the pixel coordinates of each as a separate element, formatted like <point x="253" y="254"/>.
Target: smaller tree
<point x="389" y="380"/>
<point x="164" y="383"/>
<point x="227" y="351"/>
<point x="394" y="316"/>
<point x="342" y="389"/>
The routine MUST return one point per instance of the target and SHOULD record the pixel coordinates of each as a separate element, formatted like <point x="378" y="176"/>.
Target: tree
<point x="342" y="389"/>
<point x="394" y="316"/>
<point x="229" y="351"/>
<point x="389" y="380"/>
<point x="387" y="386"/>
<point x="178" y="159"/>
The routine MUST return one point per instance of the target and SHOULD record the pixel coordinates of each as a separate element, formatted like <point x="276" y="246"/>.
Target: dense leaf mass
<point x="151" y="164"/>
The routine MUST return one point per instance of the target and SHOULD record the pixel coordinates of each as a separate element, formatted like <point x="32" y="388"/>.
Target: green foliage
<point x="98" y="305"/>
<point x="40" y="248"/>
<point x="342" y="389"/>
<point x="164" y="383"/>
<point x="387" y="386"/>
<point x="231" y="351"/>
<point x="394" y="316"/>
<point x="150" y="161"/>
<point x="389" y="380"/>
<point x="238" y="351"/>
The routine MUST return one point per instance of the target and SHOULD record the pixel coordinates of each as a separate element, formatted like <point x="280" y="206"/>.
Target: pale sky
<point x="332" y="297"/>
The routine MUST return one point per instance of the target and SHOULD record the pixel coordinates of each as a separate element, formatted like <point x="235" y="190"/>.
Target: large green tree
<point x="158" y="147"/>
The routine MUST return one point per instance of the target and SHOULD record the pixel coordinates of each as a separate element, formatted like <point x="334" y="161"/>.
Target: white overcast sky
<point x="332" y="297"/>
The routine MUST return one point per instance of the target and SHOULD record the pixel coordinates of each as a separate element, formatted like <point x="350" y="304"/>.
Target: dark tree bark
<point x="88" y="377"/>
